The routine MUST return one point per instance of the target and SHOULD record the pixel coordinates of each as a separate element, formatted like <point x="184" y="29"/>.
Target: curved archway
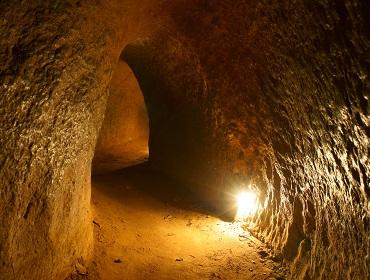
<point x="124" y="135"/>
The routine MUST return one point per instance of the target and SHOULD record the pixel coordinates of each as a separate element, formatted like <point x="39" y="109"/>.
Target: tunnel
<point x="124" y="135"/>
<point x="184" y="139"/>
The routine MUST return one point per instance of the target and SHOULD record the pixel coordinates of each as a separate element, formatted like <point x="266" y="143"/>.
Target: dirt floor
<point x="141" y="234"/>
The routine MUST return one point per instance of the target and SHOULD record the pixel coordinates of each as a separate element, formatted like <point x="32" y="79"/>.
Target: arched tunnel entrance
<point x="147" y="223"/>
<point x="124" y="135"/>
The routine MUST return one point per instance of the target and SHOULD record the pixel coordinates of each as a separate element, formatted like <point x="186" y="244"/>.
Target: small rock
<point x="263" y="253"/>
<point x="118" y="261"/>
<point x="179" y="259"/>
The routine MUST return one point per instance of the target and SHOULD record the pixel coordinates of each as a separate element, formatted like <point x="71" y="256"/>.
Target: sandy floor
<point x="140" y="234"/>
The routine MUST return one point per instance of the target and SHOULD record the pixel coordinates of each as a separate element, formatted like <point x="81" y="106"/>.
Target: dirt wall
<point x="57" y="60"/>
<point x="273" y="95"/>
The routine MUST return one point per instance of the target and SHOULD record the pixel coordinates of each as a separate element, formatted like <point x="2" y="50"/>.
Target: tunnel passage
<point x="273" y="94"/>
<point x="182" y="140"/>
<point x="124" y="135"/>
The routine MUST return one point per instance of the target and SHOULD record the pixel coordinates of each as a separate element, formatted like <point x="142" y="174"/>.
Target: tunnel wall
<point x="56" y="62"/>
<point x="273" y="94"/>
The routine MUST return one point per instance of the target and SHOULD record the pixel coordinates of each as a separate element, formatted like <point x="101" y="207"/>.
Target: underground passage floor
<point x="144" y="229"/>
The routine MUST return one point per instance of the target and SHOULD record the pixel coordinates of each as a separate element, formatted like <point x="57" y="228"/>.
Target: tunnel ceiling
<point x="272" y="94"/>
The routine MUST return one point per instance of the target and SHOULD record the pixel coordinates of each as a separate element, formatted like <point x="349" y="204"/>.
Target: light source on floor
<point x="247" y="204"/>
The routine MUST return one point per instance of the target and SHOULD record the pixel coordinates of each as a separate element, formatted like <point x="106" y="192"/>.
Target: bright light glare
<point x="247" y="204"/>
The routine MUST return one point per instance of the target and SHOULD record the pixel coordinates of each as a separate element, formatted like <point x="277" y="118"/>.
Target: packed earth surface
<point x="161" y="234"/>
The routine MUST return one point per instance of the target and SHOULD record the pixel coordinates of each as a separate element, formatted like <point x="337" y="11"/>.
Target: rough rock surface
<point x="269" y="93"/>
<point x="57" y="59"/>
<point x="273" y="94"/>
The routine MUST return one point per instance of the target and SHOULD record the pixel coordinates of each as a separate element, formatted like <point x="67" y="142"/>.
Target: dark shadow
<point x="178" y="137"/>
<point x="159" y="186"/>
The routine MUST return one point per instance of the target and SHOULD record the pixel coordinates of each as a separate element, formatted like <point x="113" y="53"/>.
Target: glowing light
<point x="247" y="204"/>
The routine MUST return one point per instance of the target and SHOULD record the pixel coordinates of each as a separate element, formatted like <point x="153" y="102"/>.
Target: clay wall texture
<point x="272" y="94"/>
<point x="57" y="60"/>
